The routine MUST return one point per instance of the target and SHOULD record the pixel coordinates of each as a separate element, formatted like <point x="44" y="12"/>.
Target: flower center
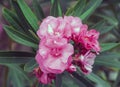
<point x="56" y="52"/>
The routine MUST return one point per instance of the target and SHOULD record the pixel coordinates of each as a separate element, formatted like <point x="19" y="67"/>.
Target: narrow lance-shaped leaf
<point x="56" y="9"/>
<point x="29" y="15"/>
<point x="108" y="46"/>
<point x="111" y="60"/>
<point x="82" y="79"/>
<point x="18" y="77"/>
<point x="111" y="20"/>
<point x="12" y="19"/>
<point x="69" y="81"/>
<point x="23" y="21"/>
<point x="108" y="63"/>
<point x="38" y="10"/>
<point x="100" y="26"/>
<point x="106" y="29"/>
<point x="30" y="65"/>
<point x="90" y="8"/>
<point x="96" y="79"/>
<point x="52" y="1"/>
<point x="15" y="57"/>
<point x="20" y="37"/>
<point x="77" y="9"/>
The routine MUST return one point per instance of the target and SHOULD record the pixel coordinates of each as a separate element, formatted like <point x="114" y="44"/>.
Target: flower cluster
<point x="65" y="43"/>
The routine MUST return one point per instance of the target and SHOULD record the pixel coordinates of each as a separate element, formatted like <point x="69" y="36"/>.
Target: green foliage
<point x="18" y="76"/>
<point x="90" y="7"/>
<point x="11" y="17"/>
<point x="102" y="27"/>
<point x="56" y="8"/>
<point x="96" y="79"/>
<point x="108" y="46"/>
<point x="38" y="10"/>
<point x="15" y="57"/>
<point x="30" y="65"/>
<point x="29" y="15"/>
<point x="77" y="9"/>
<point x="82" y="10"/>
<point x="20" y="37"/>
<point x="109" y="60"/>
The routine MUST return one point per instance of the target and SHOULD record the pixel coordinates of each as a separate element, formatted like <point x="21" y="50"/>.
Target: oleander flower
<point x="88" y="39"/>
<point x="44" y="78"/>
<point x="75" y="24"/>
<point x="71" y="68"/>
<point x="86" y="62"/>
<point x="54" y="55"/>
<point x="54" y="27"/>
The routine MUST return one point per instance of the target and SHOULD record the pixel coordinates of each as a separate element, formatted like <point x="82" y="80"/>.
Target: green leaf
<point x="102" y="28"/>
<point x="108" y="59"/>
<point x="90" y="8"/>
<point x="98" y="80"/>
<point x="110" y="55"/>
<point x="30" y="65"/>
<point x="108" y="46"/>
<point x="79" y="7"/>
<point x="29" y="15"/>
<point x="12" y="19"/>
<point x="52" y="1"/>
<point x="110" y="19"/>
<point x="106" y="29"/>
<point x="69" y="81"/>
<point x="56" y="9"/>
<point x="99" y="26"/>
<point x="23" y="22"/>
<point x="108" y="62"/>
<point x="38" y="10"/>
<point x="82" y="79"/>
<point x="20" y="37"/>
<point x="18" y="77"/>
<point x="15" y="57"/>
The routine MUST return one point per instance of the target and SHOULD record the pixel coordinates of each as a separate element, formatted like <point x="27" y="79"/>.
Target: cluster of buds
<point x="64" y="44"/>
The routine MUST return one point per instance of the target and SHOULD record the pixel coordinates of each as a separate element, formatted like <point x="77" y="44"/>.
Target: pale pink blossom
<point x="86" y="62"/>
<point x="54" y="27"/>
<point x="54" y="55"/>
<point x="75" y="24"/>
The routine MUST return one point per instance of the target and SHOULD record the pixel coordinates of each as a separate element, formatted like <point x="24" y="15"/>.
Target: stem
<point x="5" y="77"/>
<point x="82" y="79"/>
<point x="58" y="80"/>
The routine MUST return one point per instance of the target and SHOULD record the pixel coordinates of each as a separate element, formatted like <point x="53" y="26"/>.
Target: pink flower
<point x="54" y="27"/>
<point x="71" y="68"/>
<point x="88" y="39"/>
<point x="54" y="55"/>
<point x="75" y="24"/>
<point x="44" y="78"/>
<point x="86" y="62"/>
